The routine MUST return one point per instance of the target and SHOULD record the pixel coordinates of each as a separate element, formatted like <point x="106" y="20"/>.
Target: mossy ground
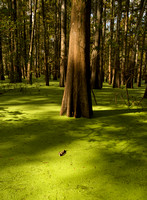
<point x="105" y="157"/>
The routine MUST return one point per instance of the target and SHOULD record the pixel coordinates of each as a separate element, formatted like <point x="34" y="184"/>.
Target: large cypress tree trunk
<point x="63" y="63"/>
<point x="77" y="94"/>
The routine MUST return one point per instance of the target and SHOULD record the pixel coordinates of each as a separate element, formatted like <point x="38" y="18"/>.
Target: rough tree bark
<point x="77" y="94"/>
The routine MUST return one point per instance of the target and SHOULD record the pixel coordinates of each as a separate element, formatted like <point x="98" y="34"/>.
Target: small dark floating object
<point x="62" y="153"/>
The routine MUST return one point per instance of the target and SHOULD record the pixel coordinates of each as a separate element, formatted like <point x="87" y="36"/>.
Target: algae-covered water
<point x="105" y="158"/>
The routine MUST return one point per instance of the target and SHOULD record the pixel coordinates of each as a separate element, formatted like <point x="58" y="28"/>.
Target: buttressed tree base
<point x="77" y="94"/>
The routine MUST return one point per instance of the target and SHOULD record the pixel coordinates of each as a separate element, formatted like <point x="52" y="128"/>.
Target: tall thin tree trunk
<point x="30" y="12"/>
<point x="38" y="64"/>
<point x="96" y="68"/>
<point x="77" y="94"/>
<point x="145" y="67"/>
<point x="45" y="45"/>
<point x="136" y="63"/>
<point x="103" y="40"/>
<point x="145" y="93"/>
<point x="142" y="51"/>
<point x="24" y="44"/>
<point x="11" y="46"/>
<point x="56" y="42"/>
<point x="63" y="63"/>
<point x="2" y="77"/>
<point x="124" y="66"/>
<point x="36" y="51"/>
<point x="116" y="74"/>
<point x="17" y="67"/>
<point x="111" y="57"/>
<point x="29" y="66"/>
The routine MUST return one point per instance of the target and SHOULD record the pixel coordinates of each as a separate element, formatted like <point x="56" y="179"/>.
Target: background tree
<point x="111" y="54"/>
<point x="142" y="52"/>
<point x="2" y="77"/>
<point x="46" y="46"/>
<point x="131" y="66"/>
<point x="116" y="68"/>
<point x="125" y="58"/>
<point x="29" y="66"/>
<point x="96" y="62"/>
<point x="63" y="63"/>
<point x="145" y="76"/>
<point x="57" y="40"/>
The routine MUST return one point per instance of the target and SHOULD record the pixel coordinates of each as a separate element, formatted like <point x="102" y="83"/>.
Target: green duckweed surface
<point x="106" y="155"/>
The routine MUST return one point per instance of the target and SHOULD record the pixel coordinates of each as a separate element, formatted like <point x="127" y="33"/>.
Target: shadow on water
<point x="33" y="136"/>
<point x="113" y="141"/>
<point x="104" y="113"/>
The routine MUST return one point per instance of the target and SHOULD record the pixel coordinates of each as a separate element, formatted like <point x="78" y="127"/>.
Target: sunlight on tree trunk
<point x="77" y="95"/>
